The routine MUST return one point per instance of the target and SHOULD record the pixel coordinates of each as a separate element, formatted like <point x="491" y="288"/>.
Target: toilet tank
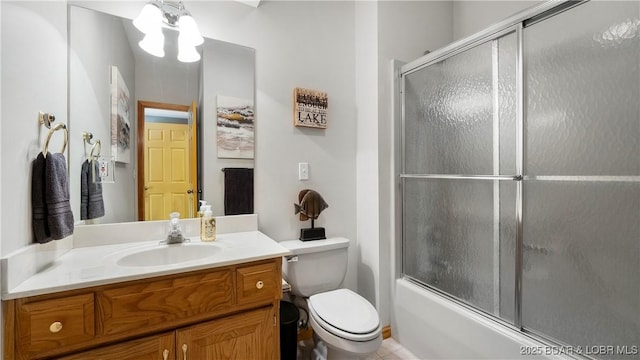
<point x="315" y="266"/>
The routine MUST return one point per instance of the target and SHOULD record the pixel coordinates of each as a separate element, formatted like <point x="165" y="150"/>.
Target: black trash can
<point x="289" y="316"/>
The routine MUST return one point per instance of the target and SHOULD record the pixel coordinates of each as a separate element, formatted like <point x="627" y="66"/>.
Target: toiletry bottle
<point x="208" y="225"/>
<point x="203" y="203"/>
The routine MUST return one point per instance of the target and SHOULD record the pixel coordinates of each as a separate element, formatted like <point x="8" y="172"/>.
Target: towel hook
<point x="46" y="119"/>
<point x="55" y="128"/>
<point x="98" y="145"/>
<point x="87" y="137"/>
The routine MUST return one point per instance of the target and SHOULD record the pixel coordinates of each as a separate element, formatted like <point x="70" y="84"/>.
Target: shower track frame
<point x="515" y="23"/>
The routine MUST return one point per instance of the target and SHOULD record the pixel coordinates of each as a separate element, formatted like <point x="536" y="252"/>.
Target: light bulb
<point x="153" y="43"/>
<point x="149" y="19"/>
<point x="189" y="29"/>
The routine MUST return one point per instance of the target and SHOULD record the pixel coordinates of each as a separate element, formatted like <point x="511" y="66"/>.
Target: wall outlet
<point x="303" y="171"/>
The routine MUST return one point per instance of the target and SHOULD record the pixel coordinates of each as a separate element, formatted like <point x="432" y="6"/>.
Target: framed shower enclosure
<point x="520" y="174"/>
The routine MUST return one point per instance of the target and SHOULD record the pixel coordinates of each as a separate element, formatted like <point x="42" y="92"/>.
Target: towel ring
<point x="55" y="128"/>
<point x="98" y="145"/>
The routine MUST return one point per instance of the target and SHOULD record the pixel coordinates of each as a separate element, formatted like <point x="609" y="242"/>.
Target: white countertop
<point x="98" y="265"/>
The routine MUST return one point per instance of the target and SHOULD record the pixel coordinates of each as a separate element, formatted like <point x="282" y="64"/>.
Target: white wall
<point x="34" y="70"/>
<point x="367" y="82"/>
<point x="90" y="106"/>
<point x="385" y="30"/>
<point x="228" y="70"/>
<point x="1" y="319"/>
<point x="470" y="17"/>
<point x="162" y="80"/>
<point x="33" y="67"/>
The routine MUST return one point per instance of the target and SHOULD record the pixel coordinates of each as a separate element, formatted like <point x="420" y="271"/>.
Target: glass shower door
<point x="581" y="250"/>
<point x="458" y="175"/>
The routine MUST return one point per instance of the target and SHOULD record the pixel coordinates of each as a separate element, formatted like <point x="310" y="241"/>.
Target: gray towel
<point x="91" y="202"/>
<point x="38" y="201"/>
<point x="59" y="215"/>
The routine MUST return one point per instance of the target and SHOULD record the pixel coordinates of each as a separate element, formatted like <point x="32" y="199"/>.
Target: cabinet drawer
<point x="258" y="283"/>
<point x="50" y="324"/>
<point x="160" y="303"/>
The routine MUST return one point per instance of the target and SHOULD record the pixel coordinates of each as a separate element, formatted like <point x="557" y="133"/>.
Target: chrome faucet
<point x="175" y="232"/>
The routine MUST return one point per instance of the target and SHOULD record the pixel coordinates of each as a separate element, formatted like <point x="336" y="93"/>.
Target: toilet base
<point x="338" y="348"/>
<point x="323" y="351"/>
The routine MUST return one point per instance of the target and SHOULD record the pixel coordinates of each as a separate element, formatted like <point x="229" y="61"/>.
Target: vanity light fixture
<point x="172" y="15"/>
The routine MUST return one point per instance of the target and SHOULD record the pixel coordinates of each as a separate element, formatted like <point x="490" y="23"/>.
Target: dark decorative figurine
<point x="310" y="207"/>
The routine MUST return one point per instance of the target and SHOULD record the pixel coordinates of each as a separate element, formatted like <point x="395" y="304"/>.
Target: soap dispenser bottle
<point x="203" y="203"/>
<point x="208" y="225"/>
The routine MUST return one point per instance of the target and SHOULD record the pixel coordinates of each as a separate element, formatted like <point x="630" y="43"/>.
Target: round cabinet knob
<point x="259" y="284"/>
<point x="55" y="327"/>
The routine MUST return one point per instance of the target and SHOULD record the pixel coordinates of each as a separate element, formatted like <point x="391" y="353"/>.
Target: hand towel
<point x="238" y="191"/>
<point x="38" y="202"/>
<point x="59" y="215"/>
<point x="91" y="201"/>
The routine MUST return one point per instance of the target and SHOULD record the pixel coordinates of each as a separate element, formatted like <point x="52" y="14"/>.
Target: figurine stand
<point x="312" y="233"/>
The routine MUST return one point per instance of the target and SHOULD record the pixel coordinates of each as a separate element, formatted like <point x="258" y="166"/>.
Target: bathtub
<point x="433" y="327"/>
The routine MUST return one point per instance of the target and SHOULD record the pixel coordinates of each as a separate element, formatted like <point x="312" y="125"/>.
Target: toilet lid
<point x="346" y="310"/>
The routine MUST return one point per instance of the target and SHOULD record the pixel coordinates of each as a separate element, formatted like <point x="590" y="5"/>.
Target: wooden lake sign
<point x="309" y="108"/>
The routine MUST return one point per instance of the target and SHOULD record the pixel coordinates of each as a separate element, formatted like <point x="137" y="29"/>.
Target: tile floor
<point x="391" y="350"/>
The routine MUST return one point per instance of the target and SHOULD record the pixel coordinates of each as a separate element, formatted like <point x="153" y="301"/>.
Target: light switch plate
<point x="303" y="171"/>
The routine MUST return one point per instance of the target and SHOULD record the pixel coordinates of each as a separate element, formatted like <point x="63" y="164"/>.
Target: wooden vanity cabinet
<point x="228" y="312"/>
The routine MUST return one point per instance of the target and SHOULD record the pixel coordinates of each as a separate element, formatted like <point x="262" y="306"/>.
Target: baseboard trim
<point x="386" y="332"/>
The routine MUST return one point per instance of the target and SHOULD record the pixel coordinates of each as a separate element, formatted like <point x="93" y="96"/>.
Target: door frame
<point x="142" y="105"/>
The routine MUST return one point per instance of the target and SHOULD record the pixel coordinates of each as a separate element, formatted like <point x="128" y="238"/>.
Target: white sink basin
<point x="168" y="255"/>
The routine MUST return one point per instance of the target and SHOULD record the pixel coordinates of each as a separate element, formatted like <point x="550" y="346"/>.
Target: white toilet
<point x="343" y="320"/>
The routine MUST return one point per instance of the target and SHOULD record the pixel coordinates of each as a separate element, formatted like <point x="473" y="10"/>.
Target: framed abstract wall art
<point x="120" y="118"/>
<point x="235" y="128"/>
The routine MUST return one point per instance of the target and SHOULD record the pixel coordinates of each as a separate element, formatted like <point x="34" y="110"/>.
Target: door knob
<point x="190" y="191"/>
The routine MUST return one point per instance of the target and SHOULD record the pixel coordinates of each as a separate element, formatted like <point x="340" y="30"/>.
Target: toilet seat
<point x="346" y="314"/>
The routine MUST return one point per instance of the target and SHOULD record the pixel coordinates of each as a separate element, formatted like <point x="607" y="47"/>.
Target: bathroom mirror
<point x="104" y="60"/>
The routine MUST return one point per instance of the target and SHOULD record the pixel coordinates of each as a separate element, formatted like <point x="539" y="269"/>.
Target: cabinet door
<point x="250" y="335"/>
<point x="150" y="348"/>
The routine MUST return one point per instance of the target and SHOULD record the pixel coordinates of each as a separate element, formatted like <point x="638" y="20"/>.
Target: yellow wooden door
<point x="166" y="171"/>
